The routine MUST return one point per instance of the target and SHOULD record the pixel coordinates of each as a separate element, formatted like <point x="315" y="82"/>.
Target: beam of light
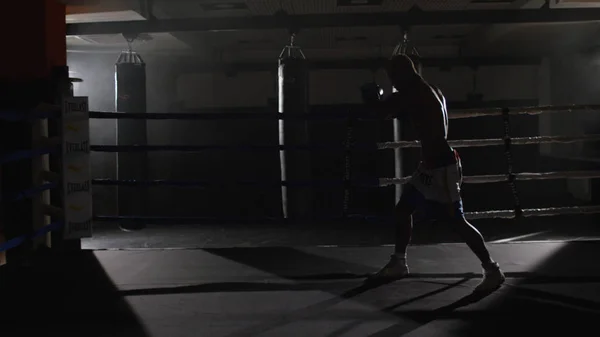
<point x="519" y="237"/>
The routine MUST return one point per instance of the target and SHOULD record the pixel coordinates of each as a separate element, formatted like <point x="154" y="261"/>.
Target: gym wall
<point x="572" y="79"/>
<point x="342" y="86"/>
<point x="194" y="92"/>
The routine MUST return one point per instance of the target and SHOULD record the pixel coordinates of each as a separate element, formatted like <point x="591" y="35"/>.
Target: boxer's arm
<point x="393" y="106"/>
<point x="383" y="109"/>
<point x="439" y="94"/>
<point x="388" y="108"/>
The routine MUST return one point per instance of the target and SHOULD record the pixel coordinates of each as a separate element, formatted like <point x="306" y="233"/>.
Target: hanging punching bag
<point x="293" y="86"/>
<point x="130" y="96"/>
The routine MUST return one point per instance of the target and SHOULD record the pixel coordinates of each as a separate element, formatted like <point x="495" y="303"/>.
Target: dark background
<point x="171" y="89"/>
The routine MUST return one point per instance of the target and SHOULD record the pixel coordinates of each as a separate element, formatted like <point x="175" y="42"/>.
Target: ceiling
<point x="249" y="45"/>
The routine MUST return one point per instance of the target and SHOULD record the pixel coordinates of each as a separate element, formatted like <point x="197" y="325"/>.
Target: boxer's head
<point x="402" y="72"/>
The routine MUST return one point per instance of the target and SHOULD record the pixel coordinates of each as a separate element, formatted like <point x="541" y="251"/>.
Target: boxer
<point x="434" y="188"/>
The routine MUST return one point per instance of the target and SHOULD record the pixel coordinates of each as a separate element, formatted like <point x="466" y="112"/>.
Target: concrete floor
<point x="307" y="280"/>
<point x="552" y="289"/>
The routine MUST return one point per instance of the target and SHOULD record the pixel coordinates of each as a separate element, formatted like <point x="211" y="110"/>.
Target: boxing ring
<point x="69" y="215"/>
<point x="507" y="142"/>
<point x="52" y="147"/>
<point x="238" y="292"/>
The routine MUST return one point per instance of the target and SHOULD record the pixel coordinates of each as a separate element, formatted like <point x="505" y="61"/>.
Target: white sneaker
<point x="393" y="270"/>
<point x="493" y="278"/>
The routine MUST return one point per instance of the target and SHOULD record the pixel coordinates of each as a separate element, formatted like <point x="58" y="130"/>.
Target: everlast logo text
<point x="78" y="187"/>
<point x="78" y="147"/>
<point x="80" y="226"/>
<point x="76" y="107"/>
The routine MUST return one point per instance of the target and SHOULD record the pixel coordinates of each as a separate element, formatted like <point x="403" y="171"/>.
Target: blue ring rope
<point x="227" y="116"/>
<point x="200" y="184"/>
<point x="27" y="154"/>
<point x="166" y="220"/>
<point x="193" y="148"/>
<point x="27" y="115"/>
<point x="15" y="242"/>
<point x="28" y="193"/>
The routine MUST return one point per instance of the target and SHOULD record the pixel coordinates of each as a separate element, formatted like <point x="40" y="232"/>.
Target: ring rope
<point x="27" y="193"/>
<point x="454" y="114"/>
<point x="497" y="141"/>
<point x="495" y="178"/>
<point x="531" y="212"/>
<point x="456" y="143"/>
<point x="233" y="183"/>
<point x="498" y="214"/>
<point x="15" y="242"/>
<point x="509" y="162"/>
<point x="388" y="145"/>
<point x="531" y="110"/>
<point x="196" y="148"/>
<point x="381" y="182"/>
<point x="42" y="145"/>
<point x="49" y="111"/>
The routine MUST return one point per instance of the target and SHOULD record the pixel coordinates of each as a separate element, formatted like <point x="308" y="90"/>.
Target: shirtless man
<point x="435" y="185"/>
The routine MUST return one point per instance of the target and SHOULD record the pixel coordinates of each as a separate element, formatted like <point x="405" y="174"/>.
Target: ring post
<point x="40" y="164"/>
<point x="76" y="170"/>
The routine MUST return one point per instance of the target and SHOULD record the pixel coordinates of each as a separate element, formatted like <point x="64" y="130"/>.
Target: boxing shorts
<point x="435" y="193"/>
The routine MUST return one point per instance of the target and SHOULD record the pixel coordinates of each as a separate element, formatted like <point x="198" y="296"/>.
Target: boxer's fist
<point x="371" y="93"/>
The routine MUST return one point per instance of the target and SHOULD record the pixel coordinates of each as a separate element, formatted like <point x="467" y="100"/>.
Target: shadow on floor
<point x="234" y="287"/>
<point x="79" y="299"/>
<point x="522" y="309"/>
<point x="65" y="296"/>
<point x="514" y="308"/>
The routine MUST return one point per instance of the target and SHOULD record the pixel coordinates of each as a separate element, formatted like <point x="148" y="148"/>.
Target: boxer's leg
<point x="452" y="210"/>
<point x="409" y="201"/>
<point x="470" y="235"/>
<point x="397" y="267"/>
<point x="493" y="276"/>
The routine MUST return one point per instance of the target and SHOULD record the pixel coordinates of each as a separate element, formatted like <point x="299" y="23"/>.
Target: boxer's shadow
<point x="328" y="276"/>
<point x="294" y="264"/>
<point x="469" y="299"/>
